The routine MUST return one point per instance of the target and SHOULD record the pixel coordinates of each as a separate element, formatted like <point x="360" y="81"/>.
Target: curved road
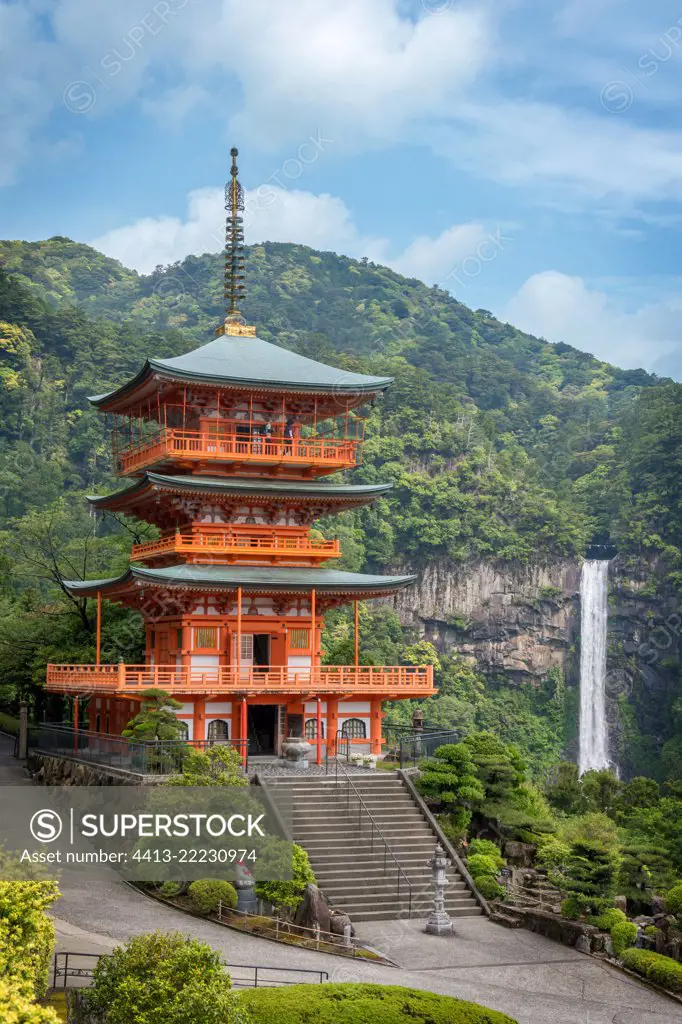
<point x="534" y="980"/>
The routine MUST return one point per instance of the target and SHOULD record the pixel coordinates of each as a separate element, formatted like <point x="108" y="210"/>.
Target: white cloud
<point x="291" y="215"/>
<point x="563" y="308"/>
<point x="351" y="66"/>
<point x="272" y="214"/>
<point x="432" y="259"/>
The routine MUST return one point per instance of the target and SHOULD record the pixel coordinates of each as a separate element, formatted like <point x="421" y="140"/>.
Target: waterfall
<point x="593" y="626"/>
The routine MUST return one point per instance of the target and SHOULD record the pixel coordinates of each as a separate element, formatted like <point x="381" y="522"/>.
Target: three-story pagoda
<point x="230" y="448"/>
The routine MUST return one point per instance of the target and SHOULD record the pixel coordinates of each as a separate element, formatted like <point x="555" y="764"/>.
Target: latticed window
<point x="299" y="639"/>
<point x="183" y="733"/>
<point x="311" y="729"/>
<point x="206" y="636"/>
<point x="354" y="729"/>
<point x="218" y="731"/>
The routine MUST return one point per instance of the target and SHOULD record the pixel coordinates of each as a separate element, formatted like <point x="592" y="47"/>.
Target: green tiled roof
<point x="252" y="361"/>
<point x="229" y="577"/>
<point x="247" y="486"/>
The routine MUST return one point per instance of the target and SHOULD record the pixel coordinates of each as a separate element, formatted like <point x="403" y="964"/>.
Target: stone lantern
<point x="439" y="921"/>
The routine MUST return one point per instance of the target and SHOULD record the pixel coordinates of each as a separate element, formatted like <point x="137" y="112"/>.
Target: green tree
<point x="163" y="979"/>
<point x="156" y="720"/>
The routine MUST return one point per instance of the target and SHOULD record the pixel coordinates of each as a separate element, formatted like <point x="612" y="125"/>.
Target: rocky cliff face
<point x="516" y="620"/>
<point x="519" y="621"/>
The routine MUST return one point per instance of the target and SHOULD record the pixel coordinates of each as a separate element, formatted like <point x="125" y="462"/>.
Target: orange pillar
<point x="332" y="724"/>
<point x="244" y="731"/>
<point x="318" y="731"/>
<point x="375" y="718"/>
<point x="313" y="638"/>
<point x="75" y="723"/>
<point x="98" y="642"/>
<point x="357" y="635"/>
<point x="239" y="631"/>
<point x="199" y="720"/>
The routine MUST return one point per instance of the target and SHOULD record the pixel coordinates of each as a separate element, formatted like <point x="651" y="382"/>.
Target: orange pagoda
<point x="229" y="448"/>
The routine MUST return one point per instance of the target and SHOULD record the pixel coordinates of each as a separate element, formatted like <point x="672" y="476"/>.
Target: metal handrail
<point x="63" y="970"/>
<point x="375" y="827"/>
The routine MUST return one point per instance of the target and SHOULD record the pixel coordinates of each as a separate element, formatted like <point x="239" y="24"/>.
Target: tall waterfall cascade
<point x="593" y="752"/>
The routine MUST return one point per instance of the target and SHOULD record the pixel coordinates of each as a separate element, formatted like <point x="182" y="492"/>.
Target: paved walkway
<point x="534" y="980"/>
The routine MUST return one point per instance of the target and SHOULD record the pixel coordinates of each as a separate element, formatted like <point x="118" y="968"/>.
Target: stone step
<point x="410" y="830"/>
<point x="339" y="859"/>
<point x="374" y="876"/>
<point x="377" y="901"/>
<point x="387" y="886"/>
<point x="401" y="913"/>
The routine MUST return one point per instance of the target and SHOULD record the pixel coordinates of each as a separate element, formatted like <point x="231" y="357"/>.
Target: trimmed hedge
<point x="661" y="969"/>
<point x="607" y="919"/>
<point x="17" y="1006"/>
<point x="623" y="935"/>
<point x="488" y="848"/>
<point x="480" y="864"/>
<point x="489" y="888"/>
<point x="359" y="1004"/>
<point x="27" y="933"/>
<point x="207" y="893"/>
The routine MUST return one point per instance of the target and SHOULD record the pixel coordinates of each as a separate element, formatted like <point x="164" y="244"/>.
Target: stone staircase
<point x="348" y="867"/>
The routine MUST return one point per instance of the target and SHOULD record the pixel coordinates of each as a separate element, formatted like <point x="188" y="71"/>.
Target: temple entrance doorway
<point x="263" y="730"/>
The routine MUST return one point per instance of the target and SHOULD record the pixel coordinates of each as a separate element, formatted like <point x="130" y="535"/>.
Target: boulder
<point x="522" y="854"/>
<point x="657" y="905"/>
<point x="583" y="944"/>
<point x="313" y="910"/>
<point x="621" y="903"/>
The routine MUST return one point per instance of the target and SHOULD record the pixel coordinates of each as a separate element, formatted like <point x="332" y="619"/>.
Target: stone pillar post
<point x="23" y="731"/>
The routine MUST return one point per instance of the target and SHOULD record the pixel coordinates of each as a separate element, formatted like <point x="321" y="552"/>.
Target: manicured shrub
<point x="207" y="893"/>
<point x="489" y="888"/>
<point x="162" y="979"/>
<point x="26" y="933"/>
<point x="489" y="849"/>
<point x="673" y="899"/>
<point x="17" y="1006"/>
<point x="623" y="935"/>
<point x="479" y="864"/>
<point x="608" y="918"/>
<point x="651" y="930"/>
<point x="170" y="889"/>
<point x="661" y="969"/>
<point x="289" y="894"/>
<point x="359" y="1004"/>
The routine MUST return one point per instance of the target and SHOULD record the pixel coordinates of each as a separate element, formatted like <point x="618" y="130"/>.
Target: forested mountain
<point x="502" y="447"/>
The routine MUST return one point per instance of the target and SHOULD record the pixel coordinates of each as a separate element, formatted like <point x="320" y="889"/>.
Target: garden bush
<point x="607" y="919"/>
<point x="289" y="894"/>
<point x="26" y="933"/>
<point x="359" y="1004"/>
<point x="623" y="935"/>
<point x="170" y="889"/>
<point x="588" y="877"/>
<point x="17" y="1005"/>
<point x="489" y="888"/>
<point x="480" y="864"/>
<point x="488" y="848"/>
<point x="673" y="899"/>
<point x="162" y="979"/>
<point x="207" y="893"/>
<point x="552" y="852"/>
<point x="661" y="969"/>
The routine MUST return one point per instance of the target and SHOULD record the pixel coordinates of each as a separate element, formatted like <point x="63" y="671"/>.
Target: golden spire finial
<point x="235" y="288"/>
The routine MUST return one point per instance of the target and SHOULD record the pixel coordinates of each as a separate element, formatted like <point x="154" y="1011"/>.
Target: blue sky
<point x="525" y="155"/>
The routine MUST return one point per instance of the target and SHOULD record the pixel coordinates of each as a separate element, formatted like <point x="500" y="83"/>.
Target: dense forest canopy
<point x="500" y="445"/>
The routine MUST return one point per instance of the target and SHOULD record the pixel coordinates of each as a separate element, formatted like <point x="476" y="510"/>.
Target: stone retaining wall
<point x="66" y="771"/>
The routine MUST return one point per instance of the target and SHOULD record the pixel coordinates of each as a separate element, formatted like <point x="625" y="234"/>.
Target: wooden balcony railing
<point x="326" y="455"/>
<point x="234" y="545"/>
<point x="380" y="680"/>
